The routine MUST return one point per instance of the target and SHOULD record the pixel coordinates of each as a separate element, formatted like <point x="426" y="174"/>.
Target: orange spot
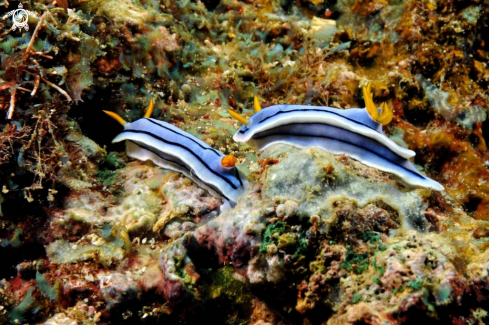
<point x="229" y="161"/>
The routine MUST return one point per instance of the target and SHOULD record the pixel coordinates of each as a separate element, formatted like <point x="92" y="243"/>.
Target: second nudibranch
<point x="355" y="132"/>
<point x="172" y="148"/>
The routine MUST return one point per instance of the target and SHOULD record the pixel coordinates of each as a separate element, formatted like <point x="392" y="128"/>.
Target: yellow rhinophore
<point x="116" y="117"/>
<point x="386" y="113"/>
<point x="119" y="119"/>
<point x="238" y="117"/>
<point x="257" y="105"/>
<point x="229" y="161"/>
<point x="241" y="118"/>
<point x="149" y="110"/>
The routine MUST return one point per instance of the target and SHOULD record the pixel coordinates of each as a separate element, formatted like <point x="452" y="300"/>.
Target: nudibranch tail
<point x="386" y="113"/>
<point x="149" y="110"/>
<point x="116" y="117"/>
<point x="238" y="117"/>
<point x="229" y="161"/>
<point x="256" y="104"/>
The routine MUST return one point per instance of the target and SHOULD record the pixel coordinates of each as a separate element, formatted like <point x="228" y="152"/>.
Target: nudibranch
<point x="172" y="148"/>
<point x="355" y="132"/>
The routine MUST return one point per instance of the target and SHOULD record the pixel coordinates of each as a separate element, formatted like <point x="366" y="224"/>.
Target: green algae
<point x="425" y="298"/>
<point x="63" y="252"/>
<point x="471" y="14"/>
<point x="128" y="92"/>
<point x="373" y="239"/>
<point x="51" y="292"/>
<point x="354" y="261"/>
<point x="107" y="177"/>
<point x="277" y="227"/>
<point x="117" y="236"/>
<point x="302" y="244"/>
<point x="10" y="44"/>
<point x="416" y="285"/>
<point x="443" y="292"/>
<point x="356" y="298"/>
<point x="224" y="283"/>
<point x="226" y="290"/>
<point x="29" y="304"/>
<point x="114" y="160"/>
<point x="81" y="78"/>
<point x="360" y="262"/>
<point x="294" y="243"/>
<point x="15" y="241"/>
<point x="380" y="269"/>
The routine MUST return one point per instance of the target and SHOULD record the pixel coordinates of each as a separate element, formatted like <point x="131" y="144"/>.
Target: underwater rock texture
<point x="89" y="236"/>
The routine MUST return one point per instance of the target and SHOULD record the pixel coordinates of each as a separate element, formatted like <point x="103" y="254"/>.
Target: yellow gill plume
<point x="238" y="117"/>
<point x="386" y="113"/>
<point x="149" y="110"/>
<point x="116" y="117"/>
<point x="229" y="161"/>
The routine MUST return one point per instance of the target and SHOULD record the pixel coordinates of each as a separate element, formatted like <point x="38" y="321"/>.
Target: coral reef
<point x="89" y="236"/>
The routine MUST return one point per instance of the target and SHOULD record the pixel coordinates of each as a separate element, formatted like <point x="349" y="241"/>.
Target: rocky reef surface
<point x="90" y="236"/>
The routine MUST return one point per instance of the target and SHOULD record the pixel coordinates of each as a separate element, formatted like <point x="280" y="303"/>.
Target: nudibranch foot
<point x="142" y="152"/>
<point x="404" y="171"/>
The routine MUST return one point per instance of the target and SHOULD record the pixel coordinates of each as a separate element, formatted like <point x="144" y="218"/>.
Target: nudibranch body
<point x="172" y="148"/>
<point x="352" y="132"/>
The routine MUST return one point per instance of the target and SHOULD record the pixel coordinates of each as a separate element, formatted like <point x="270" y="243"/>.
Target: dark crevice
<point x="201" y="256"/>
<point x="11" y="257"/>
<point x="485" y="130"/>
<point x="419" y="116"/>
<point x="94" y="123"/>
<point x="211" y="4"/>
<point x="474" y="140"/>
<point x="472" y="204"/>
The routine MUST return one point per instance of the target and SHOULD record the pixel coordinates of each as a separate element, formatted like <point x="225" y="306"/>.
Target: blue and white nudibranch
<point x="171" y="148"/>
<point x="355" y="132"/>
